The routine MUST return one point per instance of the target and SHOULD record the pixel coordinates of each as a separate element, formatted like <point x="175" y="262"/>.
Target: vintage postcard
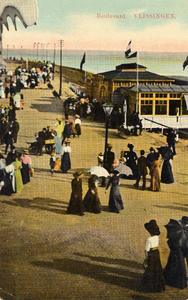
<point x="93" y="150"/>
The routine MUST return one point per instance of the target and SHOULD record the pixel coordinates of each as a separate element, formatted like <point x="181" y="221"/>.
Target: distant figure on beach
<point x="77" y="123"/>
<point x="151" y="157"/>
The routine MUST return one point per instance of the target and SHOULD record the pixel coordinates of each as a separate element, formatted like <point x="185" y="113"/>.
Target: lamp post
<point x="61" y="44"/>
<point x="54" y="60"/>
<point x="47" y="51"/>
<point x="34" y="51"/>
<point x="7" y="51"/>
<point x="108" y="108"/>
<point x="37" y="49"/>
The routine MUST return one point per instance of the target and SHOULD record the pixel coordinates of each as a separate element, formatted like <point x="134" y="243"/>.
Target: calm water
<point x="100" y="61"/>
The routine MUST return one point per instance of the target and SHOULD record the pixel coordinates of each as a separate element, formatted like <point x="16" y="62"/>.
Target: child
<point x="52" y="162"/>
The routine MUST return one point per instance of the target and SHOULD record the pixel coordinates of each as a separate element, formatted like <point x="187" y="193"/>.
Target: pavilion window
<point x="160" y="107"/>
<point x="146" y="107"/>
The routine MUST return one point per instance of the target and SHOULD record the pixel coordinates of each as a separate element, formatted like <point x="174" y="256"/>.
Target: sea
<point x="163" y="63"/>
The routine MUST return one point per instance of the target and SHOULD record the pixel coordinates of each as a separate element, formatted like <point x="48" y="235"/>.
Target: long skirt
<point x="175" y="272"/>
<point x="115" y="200"/>
<point x="25" y="173"/>
<point x="78" y="129"/>
<point x="65" y="162"/>
<point x="153" y="279"/>
<point x="166" y="173"/>
<point x="155" y="181"/>
<point x="91" y="202"/>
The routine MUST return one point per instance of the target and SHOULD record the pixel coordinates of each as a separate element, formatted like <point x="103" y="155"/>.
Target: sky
<point x="152" y="25"/>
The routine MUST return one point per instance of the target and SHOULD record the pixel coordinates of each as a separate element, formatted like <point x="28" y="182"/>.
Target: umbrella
<point x="176" y="233"/>
<point x="99" y="171"/>
<point x="166" y="152"/>
<point x="123" y="169"/>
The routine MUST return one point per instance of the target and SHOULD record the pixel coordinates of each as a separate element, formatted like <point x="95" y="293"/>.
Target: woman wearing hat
<point x="154" y="172"/>
<point x="77" y="123"/>
<point x="59" y="126"/>
<point x="153" y="279"/>
<point x="26" y="165"/>
<point x="18" y="176"/>
<point x="131" y="159"/>
<point x="76" y="204"/>
<point x="115" y="200"/>
<point x="65" y="159"/>
<point x="91" y="200"/>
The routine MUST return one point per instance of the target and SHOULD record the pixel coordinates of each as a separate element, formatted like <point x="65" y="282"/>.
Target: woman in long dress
<point x="131" y="159"/>
<point x="77" y="123"/>
<point x="175" y="272"/>
<point x="26" y="165"/>
<point x="7" y="184"/>
<point x="166" y="173"/>
<point x="65" y="159"/>
<point x="18" y="175"/>
<point x="153" y="279"/>
<point x="91" y="200"/>
<point x="57" y="139"/>
<point x="76" y="204"/>
<point x="154" y="172"/>
<point x="115" y="200"/>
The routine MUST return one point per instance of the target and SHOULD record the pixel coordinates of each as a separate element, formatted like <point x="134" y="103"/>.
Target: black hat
<point x="185" y="219"/>
<point x="152" y="149"/>
<point x="142" y="152"/>
<point x="152" y="227"/>
<point x="130" y="146"/>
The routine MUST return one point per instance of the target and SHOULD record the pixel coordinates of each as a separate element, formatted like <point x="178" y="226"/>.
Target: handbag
<point x="145" y="263"/>
<point x="31" y="172"/>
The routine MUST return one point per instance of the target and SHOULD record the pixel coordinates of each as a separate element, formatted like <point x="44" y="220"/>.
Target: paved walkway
<point x="46" y="254"/>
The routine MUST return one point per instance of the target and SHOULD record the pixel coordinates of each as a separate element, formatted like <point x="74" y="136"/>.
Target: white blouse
<point x="152" y="241"/>
<point x="66" y="149"/>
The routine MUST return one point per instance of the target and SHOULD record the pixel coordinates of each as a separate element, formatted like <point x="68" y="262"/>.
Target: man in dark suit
<point x="41" y="139"/>
<point x="142" y="170"/>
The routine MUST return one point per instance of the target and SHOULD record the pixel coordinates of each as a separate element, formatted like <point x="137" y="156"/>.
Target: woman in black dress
<point x="65" y="159"/>
<point x="153" y="279"/>
<point x="115" y="199"/>
<point x="131" y="159"/>
<point x="76" y="204"/>
<point x="91" y="200"/>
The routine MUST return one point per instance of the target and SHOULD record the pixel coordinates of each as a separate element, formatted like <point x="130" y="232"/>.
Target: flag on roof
<point x="132" y="54"/>
<point x="128" y="49"/>
<point x="128" y="53"/>
<point x="185" y="63"/>
<point x="83" y="61"/>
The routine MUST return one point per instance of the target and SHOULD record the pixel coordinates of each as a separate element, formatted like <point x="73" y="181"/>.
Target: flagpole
<point x="137" y="84"/>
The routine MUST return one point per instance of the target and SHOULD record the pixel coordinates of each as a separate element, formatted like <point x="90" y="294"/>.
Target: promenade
<point x="46" y="254"/>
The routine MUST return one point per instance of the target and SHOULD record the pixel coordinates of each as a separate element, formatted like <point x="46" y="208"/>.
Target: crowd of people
<point x="15" y="171"/>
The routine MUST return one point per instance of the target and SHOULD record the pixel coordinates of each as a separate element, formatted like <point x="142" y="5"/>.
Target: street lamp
<point x="7" y="51"/>
<point x="37" y="49"/>
<point x="34" y="51"/>
<point x="47" y="51"/>
<point x="108" y="108"/>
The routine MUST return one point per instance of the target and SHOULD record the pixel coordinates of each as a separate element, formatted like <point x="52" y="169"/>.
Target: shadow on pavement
<point x="47" y="204"/>
<point x="107" y="274"/>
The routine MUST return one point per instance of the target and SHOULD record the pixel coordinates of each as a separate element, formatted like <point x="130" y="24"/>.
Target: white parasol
<point x="99" y="171"/>
<point x="123" y="169"/>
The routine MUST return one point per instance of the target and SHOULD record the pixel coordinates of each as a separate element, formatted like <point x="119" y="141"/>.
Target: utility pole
<point x="54" y="60"/>
<point x="61" y="44"/>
